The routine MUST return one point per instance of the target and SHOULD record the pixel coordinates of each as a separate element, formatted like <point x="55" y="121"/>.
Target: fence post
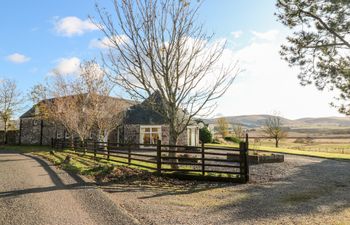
<point x="108" y="151"/>
<point x="242" y="172"/>
<point x="129" y="154"/>
<point x="95" y="149"/>
<point x="62" y="145"/>
<point x="246" y="159"/>
<point x="203" y="158"/>
<point x="247" y="139"/>
<point x="74" y="146"/>
<point x="159" y="157"/>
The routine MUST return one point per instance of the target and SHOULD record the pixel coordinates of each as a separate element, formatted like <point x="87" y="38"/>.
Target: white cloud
<point x="270" y="35"/>
<point x="107" y="43"/>
<point x="72" y="26"/>
<point x="67" y="66"/>
<point x="237" y="34"/>
<point x="268" y="84"/>
<point x="17" y="58"/>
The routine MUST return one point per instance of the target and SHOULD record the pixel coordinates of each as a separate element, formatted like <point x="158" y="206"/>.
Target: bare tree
<point x="222" y="126"/>
<point x="82" y="103"/>
<point x="10" y="103"/>
<point x="238" y="131"/>
<point x="106" y="111"/>
<point x="273" y="128"/>
<point x="158" y="47"/>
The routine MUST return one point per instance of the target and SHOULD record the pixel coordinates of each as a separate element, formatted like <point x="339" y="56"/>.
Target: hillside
<point x="256" y="121"/>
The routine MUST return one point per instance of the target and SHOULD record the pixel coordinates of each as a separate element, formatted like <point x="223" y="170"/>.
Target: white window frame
<point x="35" y="122"/>
<point x="159" y="127"/>
<point x="59" y="134"/>
<point x="67" y="135"/>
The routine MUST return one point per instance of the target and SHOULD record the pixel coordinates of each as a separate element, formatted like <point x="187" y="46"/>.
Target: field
<point x="329" y="145"/>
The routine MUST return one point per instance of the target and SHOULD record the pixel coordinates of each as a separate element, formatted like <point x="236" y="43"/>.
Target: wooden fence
<point x="200" y="162"/>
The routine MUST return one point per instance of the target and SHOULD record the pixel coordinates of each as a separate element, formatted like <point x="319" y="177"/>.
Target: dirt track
<point x="33" y="191"/>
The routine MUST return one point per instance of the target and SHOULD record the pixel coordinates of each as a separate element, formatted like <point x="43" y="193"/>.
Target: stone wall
<point x="30" y="131"/>
<point x="182" y="140"/>
<point x="132" y="133"/>
<point x="31" y="134"/>
<point x="12" y="137"/>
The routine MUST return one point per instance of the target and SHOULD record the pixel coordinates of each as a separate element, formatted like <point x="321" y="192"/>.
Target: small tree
<point x="10" y="103"/>
<point x="222" y="126"/>
<point x="238" y="131"/>
<point x="82" y="103"/>
<point x="205" y="135"/>
<point x="273" y="129"/>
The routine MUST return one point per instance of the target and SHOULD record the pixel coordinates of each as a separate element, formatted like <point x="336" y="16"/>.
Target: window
<point x="67" y="135"/>
<point x="59" y="134"/>
<point x="35" y="122"/>
<point x="150" y="134"/>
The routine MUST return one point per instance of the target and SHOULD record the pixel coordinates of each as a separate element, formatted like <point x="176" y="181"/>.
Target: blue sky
<point x="38" y="36"/>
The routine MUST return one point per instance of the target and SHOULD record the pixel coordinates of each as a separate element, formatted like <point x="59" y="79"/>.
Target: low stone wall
<point x="260" y="158"/>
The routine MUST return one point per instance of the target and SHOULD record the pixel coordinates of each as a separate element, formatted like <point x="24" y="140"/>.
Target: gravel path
<point x="302" y="190"/>
<point x="32" y="191"/>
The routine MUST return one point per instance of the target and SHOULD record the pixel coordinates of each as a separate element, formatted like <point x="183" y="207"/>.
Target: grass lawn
<point x="327" y="155"/>
<point x="86" y="164"/>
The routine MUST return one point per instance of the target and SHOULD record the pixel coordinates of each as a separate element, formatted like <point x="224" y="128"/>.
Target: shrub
<point x="205" y="135"/>
<point x="307" y="140"/>
<point x="232" y="139"/>
<point x="216" y="141"/>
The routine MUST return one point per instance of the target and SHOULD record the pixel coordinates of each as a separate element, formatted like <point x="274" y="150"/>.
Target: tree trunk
<point x="173" y="141"/>
<point x="105" y="139"/>
<point x="84" y="146"/>
<point x="5" y="132"/>
<point x="277" y="142"/>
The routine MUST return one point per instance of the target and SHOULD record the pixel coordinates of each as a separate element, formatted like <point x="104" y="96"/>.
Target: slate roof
<point x="31" y="112"/>
<point x="144" y="112"/>
<point x="141" y="114"/>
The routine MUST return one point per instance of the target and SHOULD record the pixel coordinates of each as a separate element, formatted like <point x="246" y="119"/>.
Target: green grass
<point x="77" y="164"/>
<point x="327" y="155"/>
<point x="86" y="164"/>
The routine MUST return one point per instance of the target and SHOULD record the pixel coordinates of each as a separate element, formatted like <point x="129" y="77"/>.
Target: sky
<point x="39" y="36"/>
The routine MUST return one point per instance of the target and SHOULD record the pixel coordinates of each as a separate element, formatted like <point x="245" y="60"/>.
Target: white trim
<point x="59" y="134"/>
<point x="159" y="132"/>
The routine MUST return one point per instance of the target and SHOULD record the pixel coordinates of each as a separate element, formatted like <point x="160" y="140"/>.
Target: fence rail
<point x="198" y="162"/>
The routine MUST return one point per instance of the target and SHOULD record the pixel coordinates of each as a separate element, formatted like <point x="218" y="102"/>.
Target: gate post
<point x="203" y="158"/>
<point x="242" y="162"/>
<point x="246" y="161"/>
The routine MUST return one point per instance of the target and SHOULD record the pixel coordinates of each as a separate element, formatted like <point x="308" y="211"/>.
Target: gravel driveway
<point x="33" y="191"/>
<point x="302" y="190"/>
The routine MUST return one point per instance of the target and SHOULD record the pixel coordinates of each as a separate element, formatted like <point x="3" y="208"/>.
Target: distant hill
<point x="256" y="121"/>
<point x="327" y="121"/>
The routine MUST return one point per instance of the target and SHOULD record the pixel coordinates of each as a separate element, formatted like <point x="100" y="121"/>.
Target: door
<point x="191" y="135"/>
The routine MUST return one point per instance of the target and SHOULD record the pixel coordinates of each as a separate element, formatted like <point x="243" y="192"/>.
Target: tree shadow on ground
<point x="322" y="186"/>
<point x="168" y="188"/>
<point x="78" y="182"/>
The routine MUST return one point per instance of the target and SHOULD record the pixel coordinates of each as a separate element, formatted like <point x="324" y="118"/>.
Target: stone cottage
<point x="34" y="130"/>
<point x="145" y="126"/>
<point x="140" y="125"/>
